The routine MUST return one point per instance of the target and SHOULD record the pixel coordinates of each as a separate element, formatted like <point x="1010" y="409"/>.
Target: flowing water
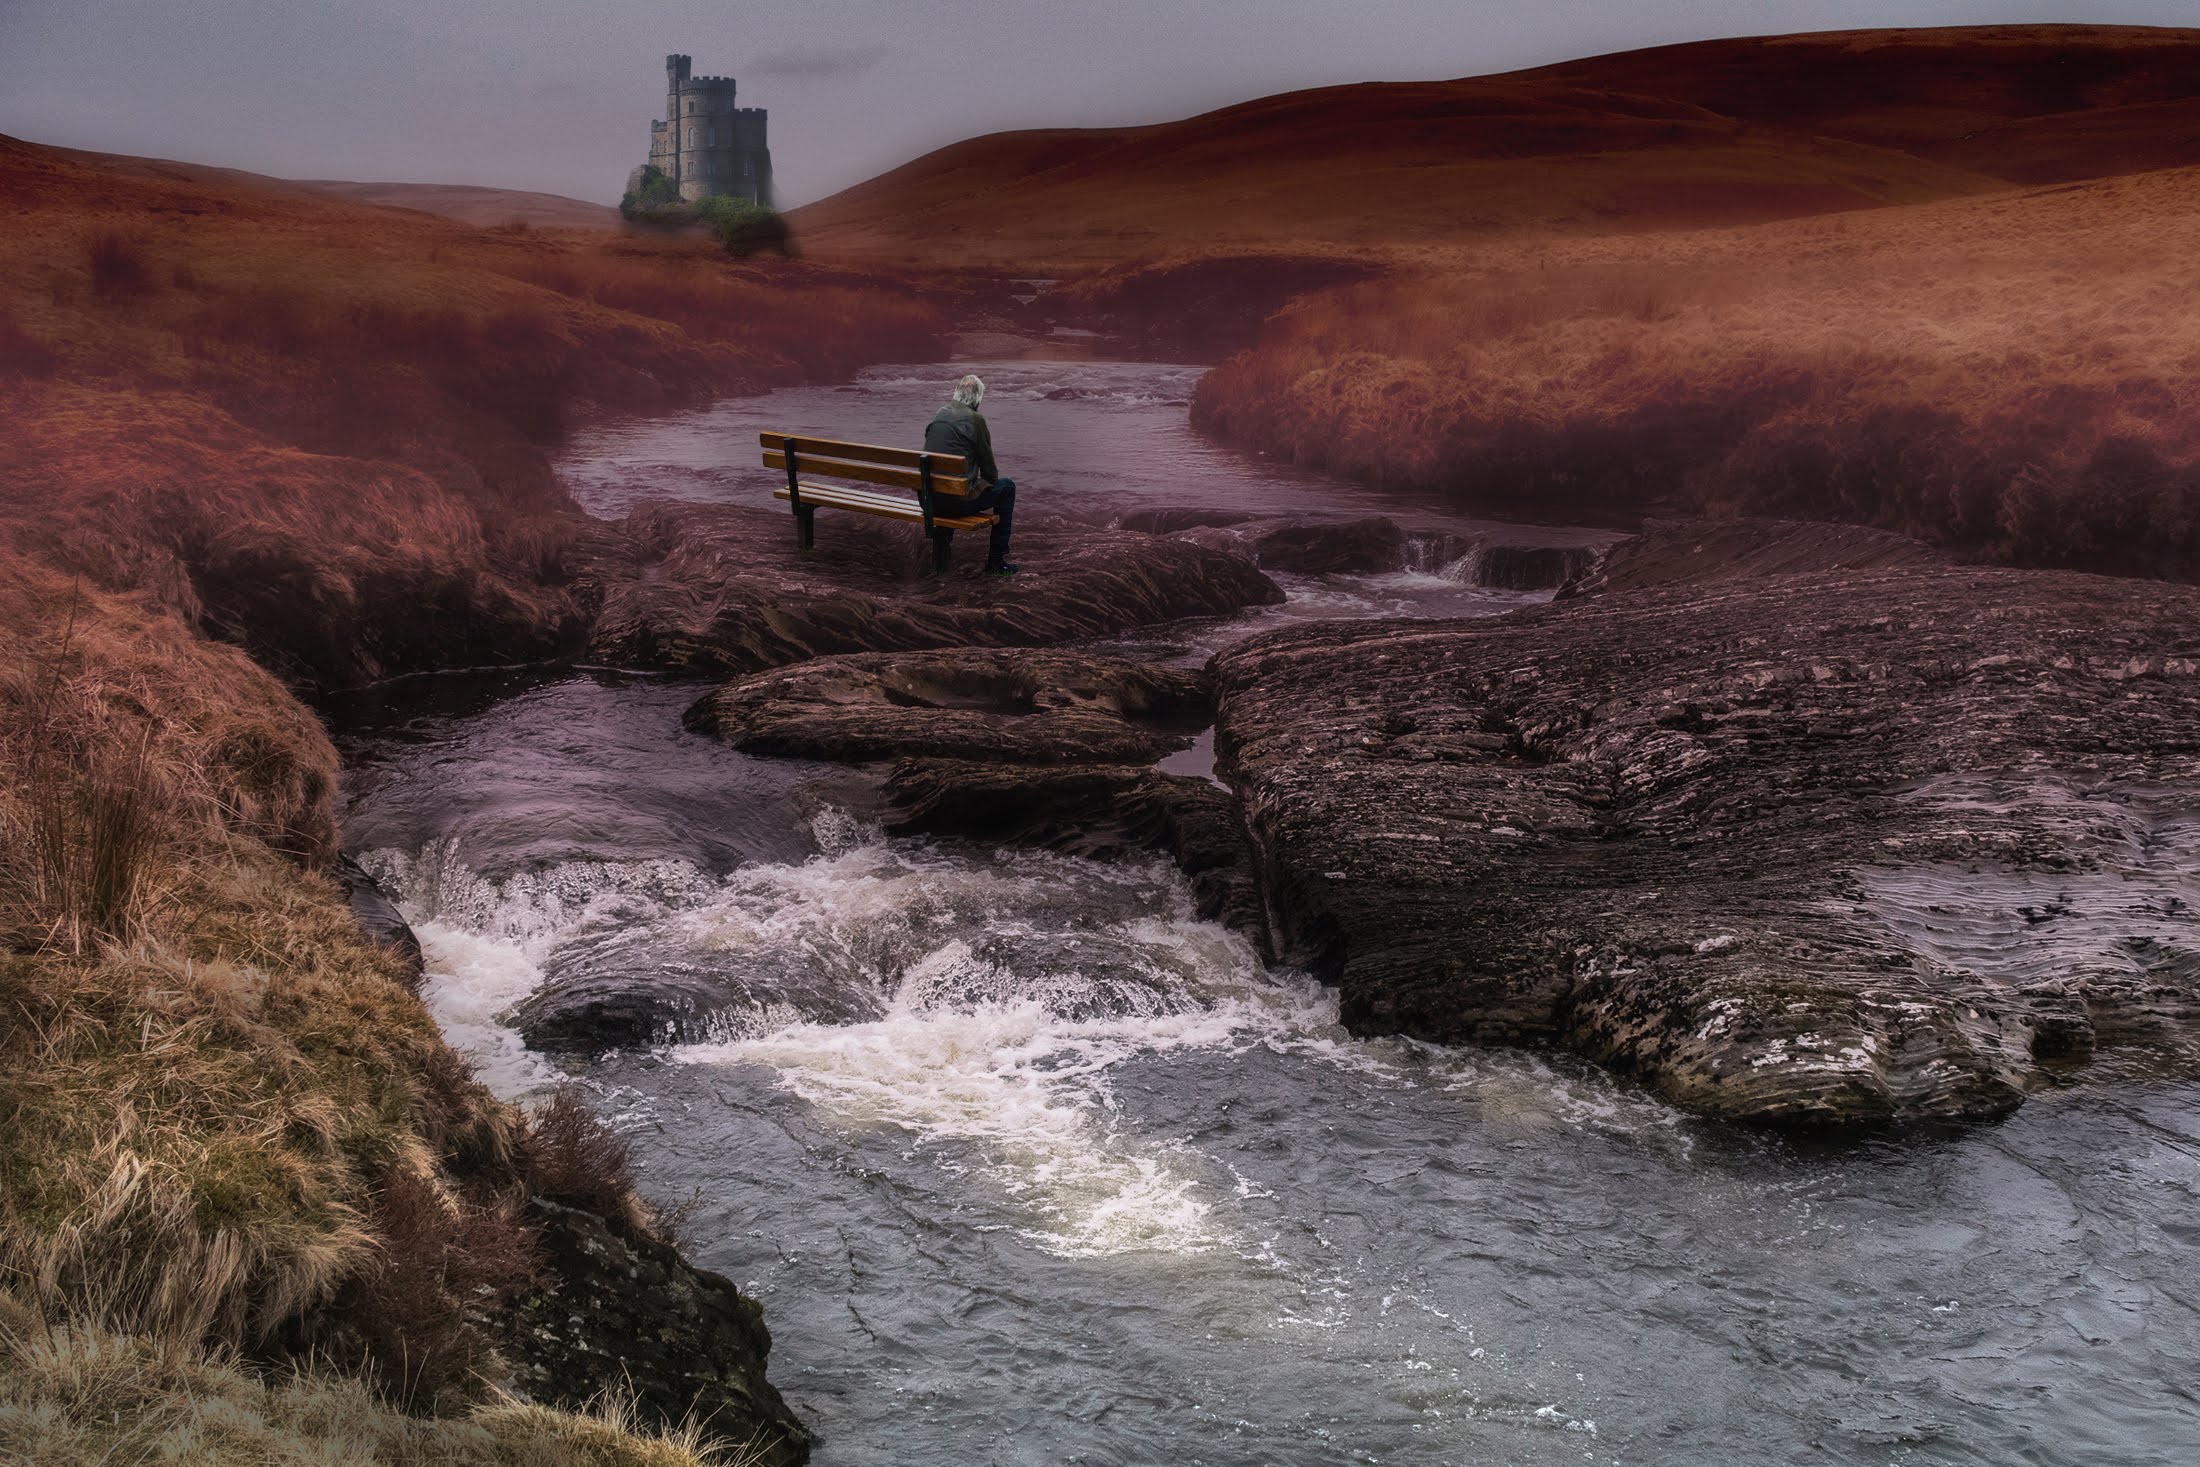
<point x="1029" y="1165"/>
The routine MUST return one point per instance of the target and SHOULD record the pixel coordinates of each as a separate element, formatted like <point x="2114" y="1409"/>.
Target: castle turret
<point x="707" y="144"/>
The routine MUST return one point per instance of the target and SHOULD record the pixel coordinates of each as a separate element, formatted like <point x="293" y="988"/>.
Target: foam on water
<point x="1007" y="991"/>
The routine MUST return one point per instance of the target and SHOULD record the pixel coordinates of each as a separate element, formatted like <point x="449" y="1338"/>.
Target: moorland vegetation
<point x="257" y="443"/>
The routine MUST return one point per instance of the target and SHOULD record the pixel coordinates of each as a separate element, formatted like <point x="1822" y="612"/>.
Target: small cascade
<point x="1502" y="565"/>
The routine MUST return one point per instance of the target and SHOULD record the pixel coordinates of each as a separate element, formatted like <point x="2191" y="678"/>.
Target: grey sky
<point x="558" y="94"/>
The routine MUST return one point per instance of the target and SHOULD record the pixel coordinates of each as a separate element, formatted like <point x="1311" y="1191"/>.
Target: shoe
<point x="1003" y="568"/>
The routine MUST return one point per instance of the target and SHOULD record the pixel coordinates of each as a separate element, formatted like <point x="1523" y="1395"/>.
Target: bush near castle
<point x="743" y="226"/>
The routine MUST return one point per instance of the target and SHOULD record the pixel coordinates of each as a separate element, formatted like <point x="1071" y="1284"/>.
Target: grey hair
<point x="970" y="391"/>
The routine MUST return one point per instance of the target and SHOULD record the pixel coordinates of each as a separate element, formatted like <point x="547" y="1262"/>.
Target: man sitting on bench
<point x="960" y="428"/>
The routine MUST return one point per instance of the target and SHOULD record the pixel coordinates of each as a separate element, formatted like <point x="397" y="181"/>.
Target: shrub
<point x="743" y="226"/>
<point x="121" y="264"/>
<point x="652" y="193"/>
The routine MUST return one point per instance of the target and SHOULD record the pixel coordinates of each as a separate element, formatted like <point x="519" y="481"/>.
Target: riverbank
<point x="295" y="447"/>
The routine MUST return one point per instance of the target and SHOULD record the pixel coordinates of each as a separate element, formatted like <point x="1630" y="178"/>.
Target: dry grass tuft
<point x="78" y="1396"/>
<point x="572" y="1157"/>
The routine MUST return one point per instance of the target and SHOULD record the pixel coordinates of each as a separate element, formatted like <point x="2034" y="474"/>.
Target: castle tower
<point x="707" y="144"/>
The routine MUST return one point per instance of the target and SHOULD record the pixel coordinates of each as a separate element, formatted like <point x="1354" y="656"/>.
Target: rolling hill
<point x="472" y="204"/>
<point x="1706" y="134"/>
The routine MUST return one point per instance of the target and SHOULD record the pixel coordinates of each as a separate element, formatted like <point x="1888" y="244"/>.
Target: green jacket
<point x="959" y="429"/>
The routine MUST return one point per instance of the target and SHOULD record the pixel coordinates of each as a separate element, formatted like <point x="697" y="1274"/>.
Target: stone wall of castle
<point x="706" y="143"/>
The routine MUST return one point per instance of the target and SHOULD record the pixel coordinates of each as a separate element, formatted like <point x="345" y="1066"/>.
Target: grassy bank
<point x="254" y="441"/>
<point x="229" y="1132"/>
<point x="2014" y="377"/>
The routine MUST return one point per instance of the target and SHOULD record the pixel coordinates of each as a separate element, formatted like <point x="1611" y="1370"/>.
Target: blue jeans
<point x="1000" y="500"/>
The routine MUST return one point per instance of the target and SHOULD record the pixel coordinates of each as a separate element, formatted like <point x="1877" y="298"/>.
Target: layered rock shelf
<point x="1018" y="706"/>
<point x="723" y="589"/>
<point x="1802" y="824"/>
<point x="1021" y="746"/>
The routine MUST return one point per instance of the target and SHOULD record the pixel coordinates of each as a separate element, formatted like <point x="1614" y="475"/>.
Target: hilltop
<point x="1707" y="134"/>
<point x="473" y="204"/>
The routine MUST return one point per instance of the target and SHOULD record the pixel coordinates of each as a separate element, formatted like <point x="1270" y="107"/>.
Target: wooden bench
<point x="937" y="479"/>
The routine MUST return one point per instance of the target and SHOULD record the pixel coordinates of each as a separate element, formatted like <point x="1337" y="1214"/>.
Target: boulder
<point x="713" y="588"/>
<point x="1803" y="824"/>
<point x="1014" y="705"/>
<point x="1105" y="812"/>
<point x="621" y="1313"/>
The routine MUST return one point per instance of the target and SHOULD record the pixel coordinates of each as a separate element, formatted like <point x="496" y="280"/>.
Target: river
<point x="1029" y="1165"/>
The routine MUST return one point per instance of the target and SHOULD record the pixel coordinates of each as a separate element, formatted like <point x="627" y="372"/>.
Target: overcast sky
<point x="557" y="95"/>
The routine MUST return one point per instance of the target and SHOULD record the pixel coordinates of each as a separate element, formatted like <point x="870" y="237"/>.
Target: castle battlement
<point x="705" y="143"/>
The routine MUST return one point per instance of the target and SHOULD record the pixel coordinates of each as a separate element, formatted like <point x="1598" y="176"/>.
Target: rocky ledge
<point x="621" y="1314"/>
<point x="1801" y="823"/>
<point x="1019" y="706"/>
<point x="711" y="588"/>
<point x="1523" y="558"/>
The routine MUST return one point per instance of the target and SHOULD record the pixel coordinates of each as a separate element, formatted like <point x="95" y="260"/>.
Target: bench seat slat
<point x="943" y="464"/>
<point x="950" y="484"/>
<point x="886" y="506"/>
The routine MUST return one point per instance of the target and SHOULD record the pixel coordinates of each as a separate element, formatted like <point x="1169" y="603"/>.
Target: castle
<point x="707" y="145"/>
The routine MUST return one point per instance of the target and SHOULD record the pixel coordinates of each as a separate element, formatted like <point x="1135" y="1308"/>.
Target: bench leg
<point x="805" y="528"/>
<point x="943" y="542"/>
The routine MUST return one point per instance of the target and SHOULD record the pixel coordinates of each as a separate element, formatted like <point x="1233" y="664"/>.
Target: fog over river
<point x="1029" y="1165"/>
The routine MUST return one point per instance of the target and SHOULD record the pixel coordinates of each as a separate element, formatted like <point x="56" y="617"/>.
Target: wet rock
<point x="626" y="1314"/>
<point x="1750" y="549"/>
<point x="1172" y="518"/>
<point x="1523" y="560"/>
<point x="1104" y="812"/>
<point x="1015" y="705"/>
<point x="379" y="918"/>
<point x="1801" y="823"/>
<point x="633" y="986"/>
<point x="1306" y="544"/>
<point x="723" y="589"/>
<point x="1505" y="566"/>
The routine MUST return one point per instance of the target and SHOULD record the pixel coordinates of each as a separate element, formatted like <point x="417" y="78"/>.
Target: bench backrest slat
<point x="868" y="453"/>
<point x="947" y="472"/>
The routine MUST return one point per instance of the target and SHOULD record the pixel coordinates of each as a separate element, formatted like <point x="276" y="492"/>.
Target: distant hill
<point x="1707" y="134"/>
<point x="471" y="204"/>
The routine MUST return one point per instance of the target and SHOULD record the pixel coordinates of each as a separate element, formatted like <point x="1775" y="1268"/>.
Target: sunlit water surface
<point x="1029" y="1165"/>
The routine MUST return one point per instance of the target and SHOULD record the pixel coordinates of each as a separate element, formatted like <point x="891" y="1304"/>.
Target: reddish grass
<point x="2016" y="377"/>
<point x="320" y="428"/>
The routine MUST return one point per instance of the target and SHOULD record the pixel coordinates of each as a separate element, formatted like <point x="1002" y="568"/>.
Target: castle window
<point x="691" y="137"/>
